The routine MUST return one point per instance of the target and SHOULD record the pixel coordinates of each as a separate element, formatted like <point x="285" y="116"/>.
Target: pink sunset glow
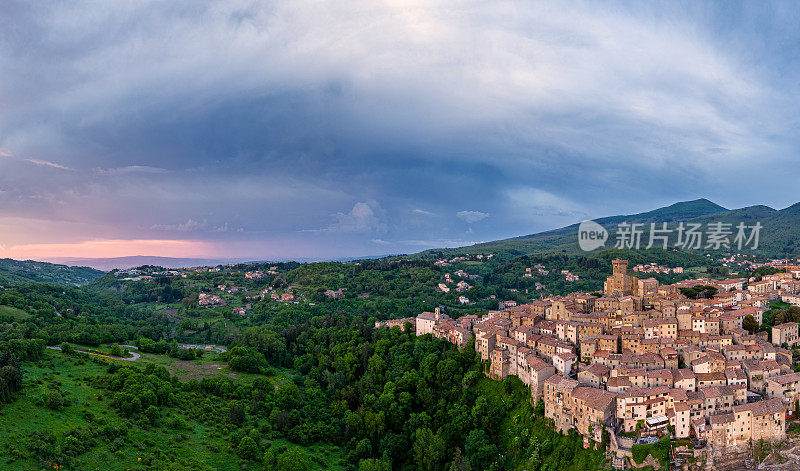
<point x="110" y="248"/>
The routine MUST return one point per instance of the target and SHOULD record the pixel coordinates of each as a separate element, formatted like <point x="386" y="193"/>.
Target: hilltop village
<point x="642" y="359"/>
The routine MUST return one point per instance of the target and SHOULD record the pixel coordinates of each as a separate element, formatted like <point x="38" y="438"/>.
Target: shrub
<point x="247" y="449"/>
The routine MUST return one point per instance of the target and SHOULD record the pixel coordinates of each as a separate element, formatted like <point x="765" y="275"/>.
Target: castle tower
<point x="620" y="267"/>
<point x="619" y="283"/>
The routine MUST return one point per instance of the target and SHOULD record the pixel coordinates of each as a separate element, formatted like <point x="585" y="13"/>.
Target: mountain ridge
<point x="132" y="261"/>
<point x="779" y="237"/>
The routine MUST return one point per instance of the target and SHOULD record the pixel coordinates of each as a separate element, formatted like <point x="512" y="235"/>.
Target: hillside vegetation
<point x="16" y="272"/>
<point x="302" y="383"/>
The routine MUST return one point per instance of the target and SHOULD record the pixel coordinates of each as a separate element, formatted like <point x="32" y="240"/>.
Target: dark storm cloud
<point x="352" y="128"/>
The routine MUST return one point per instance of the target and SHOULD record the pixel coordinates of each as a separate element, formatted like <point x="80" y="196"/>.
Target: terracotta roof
<point x="719" y="419"/>
<point x="566" y="356"/>
<point x="662" y="374"/>
<point x="717" y="376"/>
<point x="561" y="382"/>
<point x="736" y="373"/>
<point x="678" y="395"/>
<point x="548" y="341"/>
<point x="785" y="379"/>
<point x="536" y="363"/>
<point x="617" y="382"/>
<point x="599" y="370"/>
<point x="683" y="373"/>
<point x="644" y="392"/>
<point x="594" y="398"/>
<point x="785" y="325"/>
<point x="681" y="406"/>
<point x="716" y="391"/>
<point x="769" y="406"/>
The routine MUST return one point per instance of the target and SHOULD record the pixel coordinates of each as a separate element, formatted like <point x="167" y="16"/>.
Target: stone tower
<point x="619" y="283"/>
<point x="620" y="267"/>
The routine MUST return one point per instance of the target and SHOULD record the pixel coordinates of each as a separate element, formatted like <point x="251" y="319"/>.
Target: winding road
<point x="134" y="355"/>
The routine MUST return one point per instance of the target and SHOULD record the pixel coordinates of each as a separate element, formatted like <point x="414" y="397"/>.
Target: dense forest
<point x="383" y="399"/>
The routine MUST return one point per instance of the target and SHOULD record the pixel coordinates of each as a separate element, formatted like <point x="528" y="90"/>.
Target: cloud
<point x="129" y="170"/>
<point x="189" y="226"/>
<point x="283" y="114"/>
<point x="195" y="226"/>
<point x="6" y="153"/>
<point x="45" y="163"/>
<point x="536" y="202"/>
<point x="225" y="228"/>
<point x="364" y="217"/>
<point x="472" y="216"/>
<point x="443" y="243"/>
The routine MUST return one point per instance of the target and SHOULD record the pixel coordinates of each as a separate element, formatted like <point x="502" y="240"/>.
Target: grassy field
<point x="24" y="416"/>
<point x="197" y="446"/>
<point x="209" y="365"/>
<point x="14" y="312"/>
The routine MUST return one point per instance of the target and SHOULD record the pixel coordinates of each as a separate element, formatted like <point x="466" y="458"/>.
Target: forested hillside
<point x="15" y="272"/>
<point x="296" y="385"/>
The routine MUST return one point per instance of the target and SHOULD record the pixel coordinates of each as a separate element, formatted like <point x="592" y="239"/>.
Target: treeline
<point x="12" y="352"/>
<point x="592" y="270"/>
<point x="168" y="348"/>
<point x="161" y="289"/>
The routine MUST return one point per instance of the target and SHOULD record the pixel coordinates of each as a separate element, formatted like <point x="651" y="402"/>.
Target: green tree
<point x="459" y="463"/>
<point x="374" y="464"/>
<point x="749" y="323"/>
<point x="428" y="449"/>
<point x="116" y="351"/>
<point x="246" y="359"/>
<point x="247" y="449"/>
<point x="480" y="450"/>
<point x="294" y="459"/>
<point x="152" y="414"/>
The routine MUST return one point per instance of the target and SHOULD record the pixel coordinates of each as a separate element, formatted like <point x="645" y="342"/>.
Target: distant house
<point x="205" y="299"/>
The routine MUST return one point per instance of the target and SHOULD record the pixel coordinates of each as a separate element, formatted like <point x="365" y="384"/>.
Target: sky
<point x="316" y="129"/>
